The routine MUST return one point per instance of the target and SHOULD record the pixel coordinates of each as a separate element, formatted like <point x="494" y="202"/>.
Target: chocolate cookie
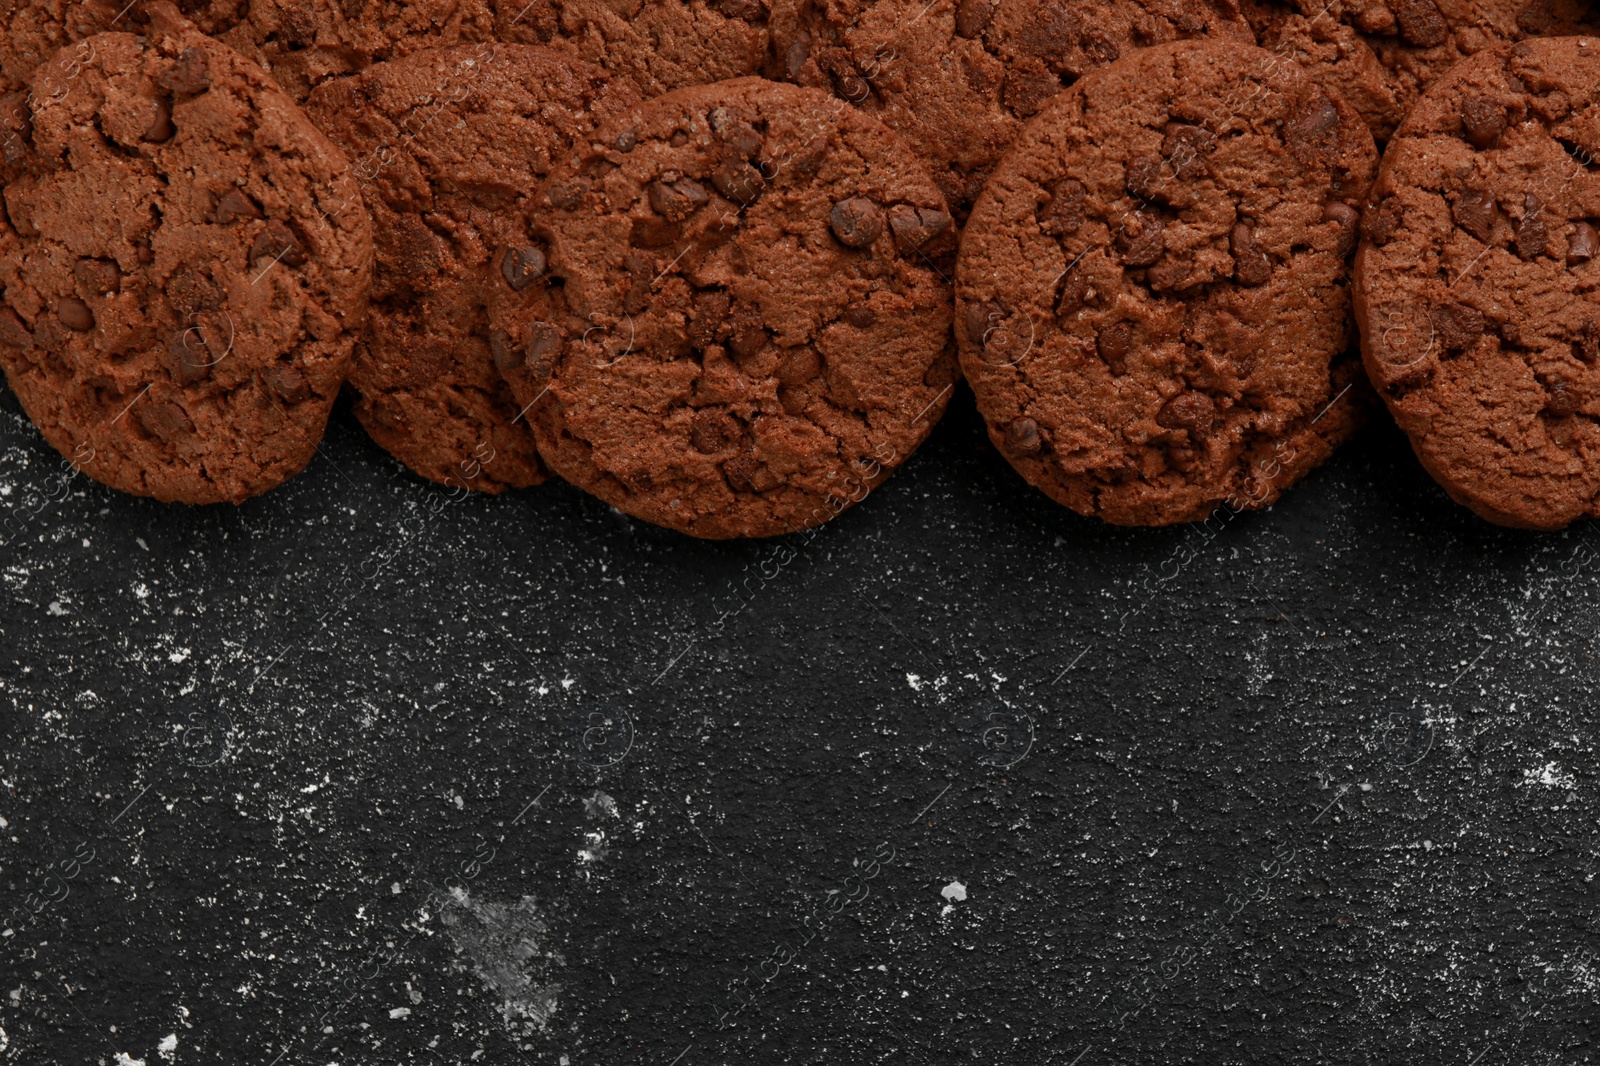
<point x="1151" y="289"/>
<point x="184" y="258"/>
<point x="299" y="42"/>
<point x="958" y="78"/>
<point x="449" y="146"/>
<point x="745" y="330"/>
<point x="1478" y="283"/>
<point x="657" y="45"/>
<point x="1416" y="41"/>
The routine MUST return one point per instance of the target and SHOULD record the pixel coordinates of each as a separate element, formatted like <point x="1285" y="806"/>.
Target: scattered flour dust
<point x="1550" y="775"/>
<point x="507" y="946"/>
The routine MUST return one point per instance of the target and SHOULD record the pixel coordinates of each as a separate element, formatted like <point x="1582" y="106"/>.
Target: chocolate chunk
<point x="195" y="350"/>
<point x="1144" y="176"/>
<point x="1562" y="399"/>
<point x="857" y="222"/>
<point x="973" y="17"/>
<point x="277" y="241"/>
<point x="799" y="366"/>
<point x="191" y="74"/>
<point x="1458" y="327"/>
<point x="233" y="206"/>
<point x="626" y="140"/>
<point x="1381" y="220"/>
<point x="915" y="227"/>
<point x="522" y="266"/>
<point x="641" y="270"/>
<point x="1313" y="131"/>
<point x="545" y="341"/>
<point x="861" y="316"/>
<point x="977" y="323"/>
<point x="97" y="276"/>
<point x="713" y="430"/>
<point x="739" y="182"/>
<point x="1584" y="245"/>
<point x="1145" y="247"/>
<point x="1421" y="23"/>
<point x="1251" y="265"/>
<point x="744" y="10"/>
<point x="742" y="470"/>
<point x="1186" y="148"/>
<point x="678" y="200"/>
<point x="160" y="128"/>
<point x="710" y="309"/>
<point x="1476" y="212"/>
<point x="1115" y="344"/>
<point x="1022" y="437"/>
<point x="1348" y="219"/>
<point x="1074" y="291"/>
<point x="166" y="421"/>
<point x="1532" y="237"/>
<point x="1587" y="346"/>
<point x="1191" y="411"/>
<point x="287" y="383"/>
<point x="74" y="314"/>
<point x="1063" y="213"/>
<point x="1483" y="120"/>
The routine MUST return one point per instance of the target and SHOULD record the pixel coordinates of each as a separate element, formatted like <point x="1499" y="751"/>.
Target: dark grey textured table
<point x="361" y="773"/>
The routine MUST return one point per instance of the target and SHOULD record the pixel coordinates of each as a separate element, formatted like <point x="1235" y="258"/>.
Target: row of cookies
<point x="723" y="310"/>
<point x="747" y="330"/>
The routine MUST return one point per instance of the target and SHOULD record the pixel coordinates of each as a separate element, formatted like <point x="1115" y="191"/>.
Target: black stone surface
<point x="363" y="773"/>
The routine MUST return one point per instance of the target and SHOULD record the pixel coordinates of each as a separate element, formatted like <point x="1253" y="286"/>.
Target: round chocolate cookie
<point x="449" y="146"/>
<point x="746" y="328"/>
<point x="1478" y="283"/>
<point x="299" y="42"/>
<point x="657" y="45"/>
<point x="183" y="261"/>
<point x="958" y="78"/>
<point x="1416" y="41"/>
<point x="1151" y="291"/>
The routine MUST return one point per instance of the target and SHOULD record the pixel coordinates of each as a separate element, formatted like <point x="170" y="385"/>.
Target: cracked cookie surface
<point x="1151" y="294"/>
<point x="1332" y="52"/>
<point x="1478" y="282"/>
<point x="299" y="42"/>
<point x="1416" y="41"/>
<point x="655" y="45"/>
<point x="449" y="146"/>
<point x="183" y="261"/>
<point x="959" y="78"/>
<point x="746" y="326"/>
